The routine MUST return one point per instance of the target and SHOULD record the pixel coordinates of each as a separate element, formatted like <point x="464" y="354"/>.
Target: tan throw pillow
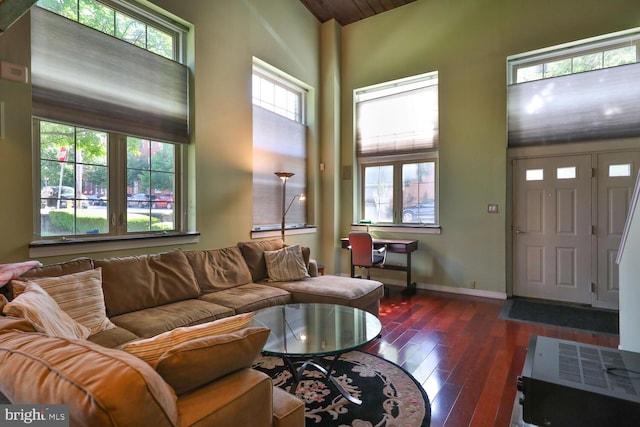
<point x="150" y="349"/>
<point x="286" y="264"/>
<point x="198" y="362"/>
<point x="35" y="305"/>
<point x="78" y="294"/>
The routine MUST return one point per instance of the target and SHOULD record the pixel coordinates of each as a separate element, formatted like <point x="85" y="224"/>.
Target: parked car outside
<point x="49" y="197"/>
<point x="423" y="212"/>
<point x="97" y="200"/>
<point x="163" y="201"/>
<point x="139" y="200"/>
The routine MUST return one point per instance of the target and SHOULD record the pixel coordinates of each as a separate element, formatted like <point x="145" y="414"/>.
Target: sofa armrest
<point x="313" y="268"/>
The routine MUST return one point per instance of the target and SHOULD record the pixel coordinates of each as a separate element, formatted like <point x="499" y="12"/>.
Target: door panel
<point x="616" y="178"/>
<point x="552" y="221"/>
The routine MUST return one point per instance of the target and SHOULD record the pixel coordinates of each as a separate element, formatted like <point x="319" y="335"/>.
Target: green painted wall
<point x="467" y="42"/>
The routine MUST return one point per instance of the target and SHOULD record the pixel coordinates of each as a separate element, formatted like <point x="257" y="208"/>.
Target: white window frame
<point x="267" y="187"/>
<point x="117" y="209"/>
<point x="118" y="238"/>
<point x="396" y="160"/>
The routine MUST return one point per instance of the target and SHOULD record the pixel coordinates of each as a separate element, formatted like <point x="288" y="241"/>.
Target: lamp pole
<point x="284" y="176"/>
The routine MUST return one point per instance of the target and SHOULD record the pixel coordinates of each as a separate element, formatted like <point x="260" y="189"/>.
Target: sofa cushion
<point x="113" y="338"/>
<point x="243" y="398"/>
<point x="360" y="293"/>
<point x="61" y="269"/>
<point x="249" y="297"/>
<point x="286" y="264"/>
<point x="151" y="349"/>
<point x="102" y="386"/>
<point x="196" y="362"/>
<point x="156" y="320"/>
<point x="253" y="253"/>
<point x="35" y="305"/>
<point x="78" y="294"/>
<point x="218" y="269"/>
<point x="137" y="282"/>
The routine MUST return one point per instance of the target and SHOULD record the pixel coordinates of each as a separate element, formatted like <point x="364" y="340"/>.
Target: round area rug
<point x="390" y="395"/>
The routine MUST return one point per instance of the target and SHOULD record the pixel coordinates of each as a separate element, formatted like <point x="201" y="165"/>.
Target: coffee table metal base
<point x="315" y="362"/>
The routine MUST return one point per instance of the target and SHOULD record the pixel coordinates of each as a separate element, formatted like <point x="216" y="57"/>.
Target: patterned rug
<point x="390" y="395"/>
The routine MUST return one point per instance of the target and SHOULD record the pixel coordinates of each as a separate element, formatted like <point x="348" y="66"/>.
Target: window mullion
<point x="117" y="184"/>
<point x="397" y="193"/>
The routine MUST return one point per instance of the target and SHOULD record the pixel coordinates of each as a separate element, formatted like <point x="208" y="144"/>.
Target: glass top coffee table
<point x="304" y="334"/>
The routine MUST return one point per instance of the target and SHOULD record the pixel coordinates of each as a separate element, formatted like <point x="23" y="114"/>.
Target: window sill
<point x="82" y="245"/>
<point x="395" y="228"/>
<point x="311" y="229"/>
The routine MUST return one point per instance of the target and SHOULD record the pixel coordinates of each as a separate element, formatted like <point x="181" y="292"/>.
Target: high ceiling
<point x="349" y="11"/>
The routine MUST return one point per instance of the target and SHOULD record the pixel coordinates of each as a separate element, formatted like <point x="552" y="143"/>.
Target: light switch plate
<point x="492" y="208"/>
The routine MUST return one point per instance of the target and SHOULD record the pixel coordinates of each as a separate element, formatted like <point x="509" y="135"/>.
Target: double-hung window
<point x="396" y="150"/>
<point x="581" y="91"/>
<point x="110" y="113"/>
<point x="279" y="145"/>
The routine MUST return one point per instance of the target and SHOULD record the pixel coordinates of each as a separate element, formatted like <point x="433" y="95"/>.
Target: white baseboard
<point x="448" y="289"/>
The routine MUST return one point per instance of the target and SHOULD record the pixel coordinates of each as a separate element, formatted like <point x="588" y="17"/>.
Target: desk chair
<point x="363" y="254"/>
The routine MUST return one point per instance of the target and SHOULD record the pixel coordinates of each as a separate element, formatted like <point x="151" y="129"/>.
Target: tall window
<point x="396" y="149"/>
<point x="575" y="92"/>
<point x="279" y="145"/>
<point x="109" y="143"/>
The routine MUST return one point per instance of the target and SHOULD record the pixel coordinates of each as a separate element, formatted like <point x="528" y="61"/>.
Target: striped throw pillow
<point x="150" y="349"/>
<point x="78" y="294"/>
<point x="36" y="306"/>
<point x="286" y="264"/>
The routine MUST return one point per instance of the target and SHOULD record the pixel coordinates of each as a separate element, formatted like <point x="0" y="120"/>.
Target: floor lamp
<point x="284" y="176"/>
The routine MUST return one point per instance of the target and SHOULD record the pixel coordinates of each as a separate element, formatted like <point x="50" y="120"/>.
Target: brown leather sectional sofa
<point x="152" y="294"/>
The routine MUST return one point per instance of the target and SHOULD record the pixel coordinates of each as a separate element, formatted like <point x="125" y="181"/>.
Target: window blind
<point x="601" y="104"/>
<point x="405" y="122"/>
<point x="279" y="144"/>
<point x="87" y="78"/>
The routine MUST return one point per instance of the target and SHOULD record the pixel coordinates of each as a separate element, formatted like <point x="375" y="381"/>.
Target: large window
<point x="581" y="91"/>
<point x="279" y="145"/>
<point x="79" y="172"/>
<point x="396" y="148"/>
<point x="109" y="144"/>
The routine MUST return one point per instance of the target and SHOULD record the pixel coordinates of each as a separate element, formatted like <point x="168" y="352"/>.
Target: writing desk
<point x="398" y="246"/>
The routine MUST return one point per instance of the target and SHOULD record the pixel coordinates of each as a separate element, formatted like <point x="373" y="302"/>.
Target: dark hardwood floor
<point x="465" y="357"/>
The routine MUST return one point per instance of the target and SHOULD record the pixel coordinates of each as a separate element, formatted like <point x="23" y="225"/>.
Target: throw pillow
<point x="253" y="253"/>
<point x="198" y="362"/>
<point x="286" y="264"/>
<point x="78" y="294"/>
<point x="150" y="349"/>
<point x="35" y="305"/>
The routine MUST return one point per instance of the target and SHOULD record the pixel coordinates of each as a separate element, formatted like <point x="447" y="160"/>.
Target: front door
<point x="552" y="228"/>
<point x="616" y="178"/>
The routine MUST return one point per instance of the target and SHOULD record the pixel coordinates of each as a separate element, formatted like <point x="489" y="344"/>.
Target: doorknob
<point x="518" y="231"/>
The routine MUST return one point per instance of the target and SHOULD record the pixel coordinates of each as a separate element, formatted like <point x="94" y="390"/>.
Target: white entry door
<point x="552" y="228"/>
<point x="616" y="175"/>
